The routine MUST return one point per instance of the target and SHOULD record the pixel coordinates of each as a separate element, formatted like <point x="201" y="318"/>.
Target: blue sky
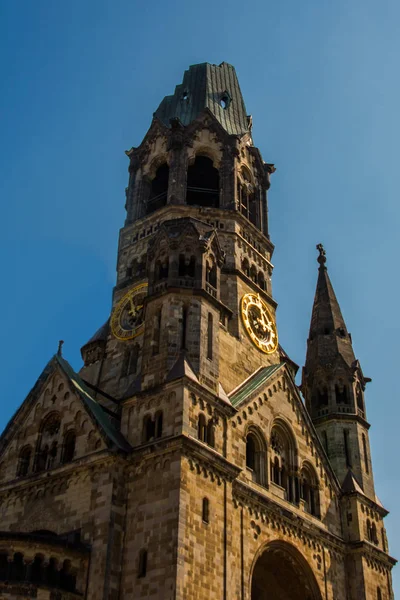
<point x="80" y="81"/>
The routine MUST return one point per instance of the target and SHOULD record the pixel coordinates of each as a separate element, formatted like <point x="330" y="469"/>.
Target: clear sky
<point x="80" y="82"/>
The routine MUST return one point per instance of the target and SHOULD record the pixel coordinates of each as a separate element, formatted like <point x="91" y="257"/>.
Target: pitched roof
<point x="214" y="87"/>
<point x="107" y="423"/>
<point x="252" y="383"/>
<point x="328" y="337"/>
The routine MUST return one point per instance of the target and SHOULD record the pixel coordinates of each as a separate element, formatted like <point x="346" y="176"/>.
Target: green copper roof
<point x="215" y="87"/>
<point x="251" y="384"/>
<point x="105" y="421"/>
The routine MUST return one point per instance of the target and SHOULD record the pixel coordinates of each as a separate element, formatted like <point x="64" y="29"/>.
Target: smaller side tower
<point x="333" y="385"/>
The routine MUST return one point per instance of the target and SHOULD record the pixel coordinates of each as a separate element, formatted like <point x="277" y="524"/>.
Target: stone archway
<point x="280" y="572"/>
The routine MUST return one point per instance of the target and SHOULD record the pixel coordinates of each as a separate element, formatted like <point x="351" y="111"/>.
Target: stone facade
<point x="181" y="462"/>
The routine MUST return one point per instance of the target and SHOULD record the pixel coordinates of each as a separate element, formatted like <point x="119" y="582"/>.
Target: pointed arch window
<point x="256" y="456"/>
<point x="282" y="461"/>
<point x="158" y="189"/>
<point x="187" y="266"/>
<point x="202" y="183"/>
<point x="24" y="461"/>
<point x="309" y="490"/>
<point x="342" y="394"/>
<point x="68" y="452"/>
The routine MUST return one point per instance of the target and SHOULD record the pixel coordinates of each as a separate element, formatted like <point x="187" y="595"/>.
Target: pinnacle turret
<point x="333" y="386"/>
<point x="328" y="338"/>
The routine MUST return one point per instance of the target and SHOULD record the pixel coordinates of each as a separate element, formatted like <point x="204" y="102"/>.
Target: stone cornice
<point x="284" y="519"/>
<point x="61" y="475"/>
<point x="199" y="453"/>
<point x="376" y="557"/>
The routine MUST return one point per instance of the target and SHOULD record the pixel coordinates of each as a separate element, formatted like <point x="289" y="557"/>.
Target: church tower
<point x="333" y="386"/>
<point x="181" y="462"/>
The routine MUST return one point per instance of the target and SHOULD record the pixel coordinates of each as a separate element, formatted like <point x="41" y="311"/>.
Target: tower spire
<point x="333" y="385"/>
<point x="328" y="337"/>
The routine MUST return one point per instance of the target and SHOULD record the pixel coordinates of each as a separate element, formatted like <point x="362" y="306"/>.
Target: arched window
<point x="142" y="566"/>
<point x="364" y="443"/>
<point x="250" y="452"/>
<point x="148" y="428"/>
<point x="206" y="510"/>
<point x="374" y="534"/>
<point x="69" y="447"/>
<point x="282" y="457"/>
<point x="261" y="280"/>
<point x="67" y="579"/>
<point x="211" y="273"/>
<point x="18" y="567"/>
<point x="210" y="336"/>
<point x="246" y="267"/>
<point x="322" y="396"/>
<point x="161" y="269"/>
<point x="52" y="574"/>
<point x="341" y="392"/>
<point x="37" y="569"/>
<point x="369" y="530"/>
<point x="137" y="268"/>
<point x="247" y="197"/>
<point x="46" y="445"/>
<point x="158" y="189"/>
<point x="202" y="428"/>
<point x="360" y="400"/>
<point x="187" y="266"/>
<point x="309" y="490"/>
<point x="24" y="460"/>
<point x="202" y="183"/>
<point x="210" y="433"/>
<point x="255" y="456"/>
<point x="378" y="593"/>
<point x="253" y="274"/>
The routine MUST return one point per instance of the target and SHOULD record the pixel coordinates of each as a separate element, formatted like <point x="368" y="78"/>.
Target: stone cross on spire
<point x="322" y="256"/>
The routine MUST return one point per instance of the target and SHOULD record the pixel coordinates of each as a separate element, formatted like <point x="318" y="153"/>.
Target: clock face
<point x="127" y="318"/>
<point x="259" y="323"/>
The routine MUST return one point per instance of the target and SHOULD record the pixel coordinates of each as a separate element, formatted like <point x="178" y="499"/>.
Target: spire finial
<point x="322" y="256"/>
<point x="60" y="345"/>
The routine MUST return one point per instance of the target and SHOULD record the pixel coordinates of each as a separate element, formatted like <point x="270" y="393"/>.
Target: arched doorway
<point x="281" y="573"/>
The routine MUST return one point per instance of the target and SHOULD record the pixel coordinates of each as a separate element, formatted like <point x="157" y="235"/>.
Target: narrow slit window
<point x="142" y="569"/>
<point x="347" y="447"/>
<point x="210" y="336"/>
<point x="206" y="510"/>
<point x="365" y="453"/>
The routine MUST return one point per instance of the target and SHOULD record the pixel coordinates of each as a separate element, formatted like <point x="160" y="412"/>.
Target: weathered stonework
<point x="182" y="462"/>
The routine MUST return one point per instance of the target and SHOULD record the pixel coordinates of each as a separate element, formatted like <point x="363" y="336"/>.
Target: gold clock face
<point x="127" y="318"/>
<point x="259" y="323"/>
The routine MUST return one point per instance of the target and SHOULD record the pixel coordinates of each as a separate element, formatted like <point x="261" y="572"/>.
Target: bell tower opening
<point x="158" y="189"/>
<point x="202" y="183"/>
<point x="281" y="573"/>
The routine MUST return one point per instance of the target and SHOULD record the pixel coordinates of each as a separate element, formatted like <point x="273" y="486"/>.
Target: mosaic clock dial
<point x="259" y="323"/>
<point x="127" y="318"/>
